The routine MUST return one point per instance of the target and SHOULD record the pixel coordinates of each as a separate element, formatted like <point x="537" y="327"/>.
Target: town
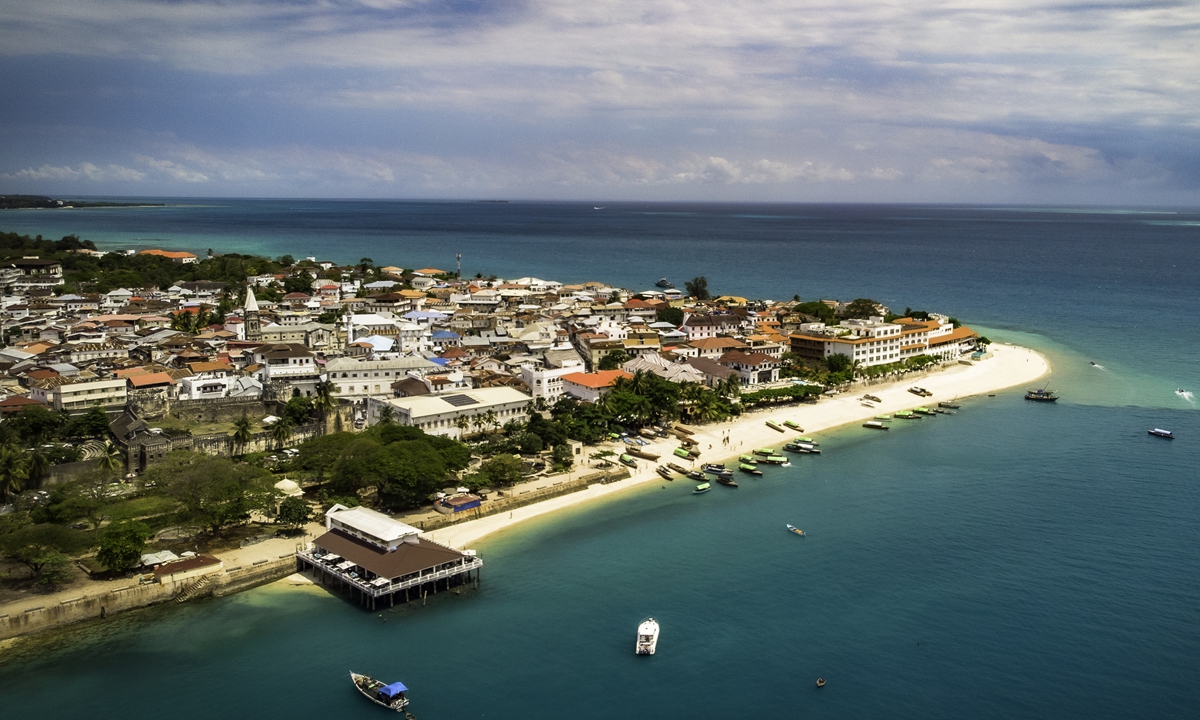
<point x="158" y="399"/>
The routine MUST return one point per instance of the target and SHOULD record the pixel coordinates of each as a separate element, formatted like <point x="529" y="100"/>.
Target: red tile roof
<point x="596" y="380"/>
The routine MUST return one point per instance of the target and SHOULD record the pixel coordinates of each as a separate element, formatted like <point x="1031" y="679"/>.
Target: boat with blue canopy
<point x="390" y="696"/>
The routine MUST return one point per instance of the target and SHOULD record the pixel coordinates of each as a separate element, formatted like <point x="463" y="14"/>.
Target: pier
<point x="377" y="558"/>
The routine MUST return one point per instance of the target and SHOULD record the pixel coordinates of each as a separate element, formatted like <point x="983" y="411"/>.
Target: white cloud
<point x="84" y="171"/>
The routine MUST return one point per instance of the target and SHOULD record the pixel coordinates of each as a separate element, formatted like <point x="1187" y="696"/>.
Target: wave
<point x="1186" y="395"/>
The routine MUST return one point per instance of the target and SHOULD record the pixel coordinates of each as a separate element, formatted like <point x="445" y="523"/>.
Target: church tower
<point x="253" y="329"/>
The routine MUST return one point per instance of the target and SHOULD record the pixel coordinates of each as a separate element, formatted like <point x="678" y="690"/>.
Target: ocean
<point x="1013" y="560"/>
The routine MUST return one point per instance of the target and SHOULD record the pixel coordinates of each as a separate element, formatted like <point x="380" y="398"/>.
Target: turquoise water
<point x="1013" y="560"/>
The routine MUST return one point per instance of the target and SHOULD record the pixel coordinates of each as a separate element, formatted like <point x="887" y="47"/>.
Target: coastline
<point x="1009" y="366"/>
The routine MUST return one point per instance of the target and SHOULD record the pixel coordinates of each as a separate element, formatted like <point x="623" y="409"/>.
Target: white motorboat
<point x="647" y="637"/>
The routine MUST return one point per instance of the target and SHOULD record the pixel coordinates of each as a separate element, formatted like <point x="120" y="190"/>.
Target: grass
<point x="141" y="507"/>
<point x="170" y="422"/>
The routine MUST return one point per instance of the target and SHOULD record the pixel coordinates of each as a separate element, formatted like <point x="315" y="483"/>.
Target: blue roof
<point x="446" y="335"/>
<point x="438" y="361"/>
<point x="391" y="691"/>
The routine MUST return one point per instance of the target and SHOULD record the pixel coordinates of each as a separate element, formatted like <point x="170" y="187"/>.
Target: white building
<point x="441" y="414"/>
<point x="547" y="383"/>
<point x="358" y="379"/>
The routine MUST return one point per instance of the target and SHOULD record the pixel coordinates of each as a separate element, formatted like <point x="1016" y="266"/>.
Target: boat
<point x="380" y="693"/>
<point x="808" y="440"/>
<point x="664" y="283"/>
<point x="697" y="475"/>
<point x="793" y="425"/>
<point x="872" y="398"/>
<point x="906" y="415"/>
<point x="867" y="405"/>
<point x="683" y="453"/>
<point x="750" y="469"/>
<point x="628" y="460"/>
<point x="1159" y="432"/>
<point x="949" y="405"/>
<point x="702" y="488"/>
<point x="776" y="460"/>
<point x="677" y="468"/>
<point x="883" y="417"/>
<point x="919" y="391"/>
<point x="727" y="480"/>
<point x="793" y="447"/>
<point x="647" y="637"/>
<point x="1042" y="395"/>
<point x="875" y="425"/>
<point x="764" y="451"/>
<point x="820" y="682"/>
<point x="923" y="411"/>
<point x="664" y="472"/>
<point x="643" y="454"/>
<point x="775" y="426"/>
<point x="714" y="468"/>
<point x="747" y="460"/>
<point x="648" y="433"/>
<point x="793" y="529"/>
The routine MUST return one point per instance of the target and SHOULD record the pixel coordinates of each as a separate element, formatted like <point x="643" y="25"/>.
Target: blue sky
<point x="774" y="100"/>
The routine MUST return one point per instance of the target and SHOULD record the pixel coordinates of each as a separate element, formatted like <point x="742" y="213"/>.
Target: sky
<point x="1004" y="101"/>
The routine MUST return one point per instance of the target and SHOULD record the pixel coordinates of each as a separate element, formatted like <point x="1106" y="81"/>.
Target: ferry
<point x="750" y="469"/>
<point x="775" y="426"/>
<point x="380" y="693"/>
<point x="875" y="425"/>
<point x="647" y="637"/>
<point x="1042" y="395"/>
<point x="1159" y="432"/>
<point x="702" y="488"/>
<point x="793" y="529"/>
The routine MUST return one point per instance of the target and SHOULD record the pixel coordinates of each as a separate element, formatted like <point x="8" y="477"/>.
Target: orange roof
<point x="173" y="254"/>
<point x="596" y="380"/>
<point x="150" y="379"/>
<point x="130" y="372"/>
<point x="957" y="335"/>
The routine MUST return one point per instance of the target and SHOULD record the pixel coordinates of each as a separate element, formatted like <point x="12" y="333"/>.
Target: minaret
<point x="253" y="330"/>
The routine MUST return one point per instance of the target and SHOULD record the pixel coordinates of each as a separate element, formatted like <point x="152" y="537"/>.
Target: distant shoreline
<point x="1010" y="366"/>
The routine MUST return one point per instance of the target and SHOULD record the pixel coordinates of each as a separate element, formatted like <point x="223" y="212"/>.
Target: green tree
<point x="38" y="465"/>
<point x="563" y="457"/>
<point x="56" y="570"/>
<point x="243" y="431"/>
<point x="113" y="459"/>
<point x="293" y="512"/>
<point x="671" y="315"/>
<point x="817" y="309"/>
<point x="603" y="456"/>
<point x="613" y="360"/>
<point x="838" y="362"/>
<point x="93" y="423"/>
<point x="325" y="394"/>
<point x="281" y="431"/>
<point x="697" y="287"/>
<point x="34" y="545"/>
<point x="529" y="443"/>
<point x="14" y="470"/>
<point x="862" y="308"/>
<point x="502" y="470"/>
<point x="386" y="415"/>
<point x="214" y="492"/>
<point x="299" y="410"/>
<point x="35" y="424"/>
<point x="122" y="544"/>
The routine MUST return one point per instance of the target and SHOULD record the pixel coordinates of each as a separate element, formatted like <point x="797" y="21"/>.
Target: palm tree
<point x="325" y="396"/>
<point x="385" y="415"/>
<point x="113" y="460"/>
<point x="462" y="423"/>
<point x="281" y="431"/>
<point x="36" y="465"/>
<point x="14" y="470"/>
<point x="730" y="387"/>
<point x="489" y="418"/>
<point x="242" y="432"/>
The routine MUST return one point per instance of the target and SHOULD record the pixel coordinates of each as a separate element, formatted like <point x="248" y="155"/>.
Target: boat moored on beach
<point x="647" y="637"/>
<point x="677" y="468"/>
<point x="390" y="696"/>
<point x="667" y="474"/>
<point x="793" y="425"/>
<point x="775" y="426"/>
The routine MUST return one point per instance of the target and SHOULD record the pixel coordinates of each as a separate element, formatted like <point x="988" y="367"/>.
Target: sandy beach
<point x="1009" y="365"/>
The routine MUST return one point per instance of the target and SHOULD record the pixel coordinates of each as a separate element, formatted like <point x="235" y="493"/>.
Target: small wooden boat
<point x="644" y="455"/>
<point x="793" y="529"/>
<point x="793" y="425"/>
<point x="867" y="405"/>
<point x="697" y="475"/>
<point x="647" y="433"/>
<point x="683" y="453"/>
<point x="628" y="460"/>
<point x="677" y="468"/>
<point x="702" y="488"/>
<point x="775" y="426"/>
<point x="1159" y="432"/>
<point x="883" y="417"/>
<point x="923" y="411"/>
<point x="727" y="480"/>
<point x="949" y="405"/>
<point x="715" y="468"/>
<point x="872" y="398"/>
<point x="820" y="682"/>
<point x="667" y="474"/>
<point x="875" y="425"/>
<point x="380" y="693"/>
<point x="1042" y="395"/>
<point x="906" y="415"/>
<point x="684" y="430"/>
<point x="747" y="460"/>
<point x="750" y="469"/>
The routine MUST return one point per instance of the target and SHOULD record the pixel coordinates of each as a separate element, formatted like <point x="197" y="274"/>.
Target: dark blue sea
<point x="1013" y="560"/>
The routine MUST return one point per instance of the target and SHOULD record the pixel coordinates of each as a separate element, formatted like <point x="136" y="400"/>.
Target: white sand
<point x="1009" y="366"/>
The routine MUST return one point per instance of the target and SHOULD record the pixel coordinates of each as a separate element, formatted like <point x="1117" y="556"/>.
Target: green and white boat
<point x="751" y="469"/>
<point x="776" y="459"/>
<point x="702" y="488"/>
<point x="747" y="460"/>
<point x="764" y="451"/>
<point x="793" y="425"/>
